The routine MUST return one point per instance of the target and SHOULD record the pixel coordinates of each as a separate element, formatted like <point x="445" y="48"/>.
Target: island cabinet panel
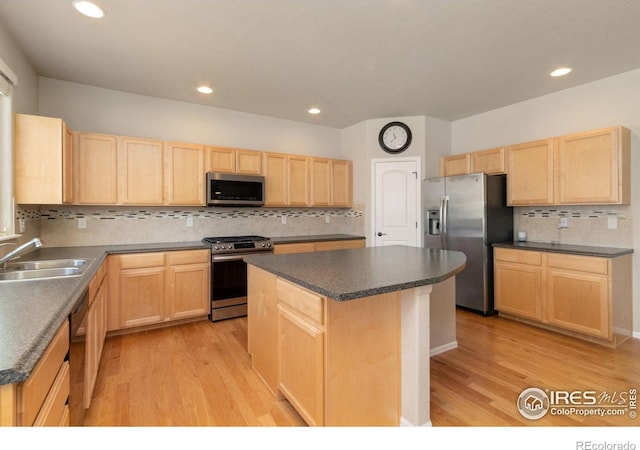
<point x="140" y="171"/>
<point x="96" y="169"/>
<point x="262" y="317"/>
<point x="531" y="176"/>
<point x="43" y="160"/>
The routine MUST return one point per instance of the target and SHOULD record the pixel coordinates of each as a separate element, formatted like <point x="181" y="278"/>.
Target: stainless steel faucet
<point x="24" y="248"/>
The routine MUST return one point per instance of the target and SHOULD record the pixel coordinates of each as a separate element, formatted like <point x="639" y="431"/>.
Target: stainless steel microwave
<point x="227" y="189"/>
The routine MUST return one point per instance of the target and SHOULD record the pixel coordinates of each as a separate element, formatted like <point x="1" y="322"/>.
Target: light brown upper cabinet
<point x="232" y="160"/>
<point x="530" y="173"/>
<point x="140" y="171"/>
<point x="594" y="167"/>
<point x="96" y="169"/>
<point x="320" y="181"/>
<point x="44" y="160"/>
<point x="455" y="165"/>
<point x="490" y="161"/>
<point x="276" y="182"/>
<point x="589" y="168"/>
<point x="184" y="178"/>
<point x="298" y="180"/>
<point x="341" y="183"/>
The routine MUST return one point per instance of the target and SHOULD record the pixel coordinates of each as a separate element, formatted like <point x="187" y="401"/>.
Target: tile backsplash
<point x="608" y="226"/>
<point x="61" y="226"/>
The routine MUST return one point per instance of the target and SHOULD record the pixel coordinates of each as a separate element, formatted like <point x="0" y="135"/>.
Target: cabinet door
<point x="578" y="301"/>
<point x="141" y="296"/>
<point x="185" y="174"/>
<point x="302" y="366"/>
<point x="590" y="168"/>
<point x="188" y="275"/>
<point x="298" y="175"/>
<point x="275" y="173"/>
<point x="455" y="165"/>
<point x="140" y="171"/>
<point x="96" y="333"/>
<point x="530" y="169"/>
<point x="518" y="289"/>
<point x="248" y="162"/>
<point x="42" y="160"/>
<point x="221" y="159"/>
<point x="96" y="163"/>
<point x="320" y="170"/>
<point x="488" y="161"/>
<point x="341" y="183"/>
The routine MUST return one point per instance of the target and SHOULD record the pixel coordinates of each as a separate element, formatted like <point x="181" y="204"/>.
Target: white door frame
<point x="418" y="162"/>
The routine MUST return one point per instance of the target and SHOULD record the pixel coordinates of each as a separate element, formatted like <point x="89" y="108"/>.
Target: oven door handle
<point x="238" y="257"/>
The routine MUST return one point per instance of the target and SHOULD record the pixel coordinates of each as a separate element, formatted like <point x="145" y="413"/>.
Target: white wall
<point x="611" y="101"/>
<point x="88" y="108"/>
<point x="25" y="95"/>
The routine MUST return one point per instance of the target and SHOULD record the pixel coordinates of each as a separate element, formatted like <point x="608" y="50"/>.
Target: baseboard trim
<point x="405" y="423"/>
<point x="443" y="348"/>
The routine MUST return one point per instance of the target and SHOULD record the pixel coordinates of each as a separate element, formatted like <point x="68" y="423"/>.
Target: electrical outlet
<point x="189" y="221"/>
<point x="327" y="219"/>
<point x="21" y="225"/>
<point x="283" y="220"/>
<point x="564" y="222"/>
<point x="612" y="223"/>
<point x="82" y="223"/>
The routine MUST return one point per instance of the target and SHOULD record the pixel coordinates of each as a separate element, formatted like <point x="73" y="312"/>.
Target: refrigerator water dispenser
<point x="433" y="220"/>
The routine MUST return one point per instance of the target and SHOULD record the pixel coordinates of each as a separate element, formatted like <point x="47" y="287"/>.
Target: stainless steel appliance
<point x="227" y="189"/>
<point x="229" y="273"/>
<point x="468" y="213"/>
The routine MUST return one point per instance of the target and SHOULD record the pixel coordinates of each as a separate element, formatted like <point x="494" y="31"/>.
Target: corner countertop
<point x="582" y="250"/>
<point x="314" y="238"/>
<point x="362" y="272"/>
<point x="32" y="311"/>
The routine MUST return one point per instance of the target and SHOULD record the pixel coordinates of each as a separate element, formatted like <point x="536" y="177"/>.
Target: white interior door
<point x="396" y="202"/>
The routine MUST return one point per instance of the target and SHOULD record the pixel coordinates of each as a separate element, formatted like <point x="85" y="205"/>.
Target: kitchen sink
<point x="43" y="269"/>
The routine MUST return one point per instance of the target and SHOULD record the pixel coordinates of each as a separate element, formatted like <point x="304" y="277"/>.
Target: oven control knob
<point x="229" y="246"/>
<point x="268" y="244"/>
<point x="215" y="247"/>
<point x="262" y="243"/>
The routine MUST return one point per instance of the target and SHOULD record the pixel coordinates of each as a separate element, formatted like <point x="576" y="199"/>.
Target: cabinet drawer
<point x="355" y="243"/>
<point x="329" y="245"/>
<point x="32" y="392"/>
<point x="53" y="410"/>
<point x="303" y="247"/>
<point x="579" y="263"/>
<point x="188" y="257"/>
<point x="140" y="260"/>
<point x="306" y="303"/>
<point x="518" y="256"/>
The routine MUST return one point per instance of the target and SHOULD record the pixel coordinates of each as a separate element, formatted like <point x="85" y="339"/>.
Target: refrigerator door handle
<point x="444" y="207"/>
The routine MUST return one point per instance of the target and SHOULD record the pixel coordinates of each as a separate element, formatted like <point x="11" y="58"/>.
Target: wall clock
<point x="394" y="137"/>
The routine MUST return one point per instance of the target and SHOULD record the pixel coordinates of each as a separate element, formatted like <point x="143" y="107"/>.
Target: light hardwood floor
<point x="199" y="374"/>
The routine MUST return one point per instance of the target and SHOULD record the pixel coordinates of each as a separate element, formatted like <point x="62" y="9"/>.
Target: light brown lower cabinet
<point x="303" y="247"/>
<point x="42" y="399"/>
<point x="156" y="288"/>
<point x="585" y="296"/>
<point x="96" y="331"/>
<point x="337" y="363"/>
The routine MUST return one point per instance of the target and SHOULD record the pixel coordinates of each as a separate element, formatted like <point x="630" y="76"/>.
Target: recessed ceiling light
<point x="560" y="72"/>
<point x="314" y="111"/>
<point x="205" y="90"/>
<point x="89" y="9"/>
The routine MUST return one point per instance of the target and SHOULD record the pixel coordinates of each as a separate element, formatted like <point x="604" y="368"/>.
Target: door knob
<point x="381" y="234"/>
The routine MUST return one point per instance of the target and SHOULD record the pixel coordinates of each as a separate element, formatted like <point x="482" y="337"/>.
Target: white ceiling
<point x="354" y="59"/>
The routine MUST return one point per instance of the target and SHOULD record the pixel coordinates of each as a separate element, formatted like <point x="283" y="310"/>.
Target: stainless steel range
<point x="229" y="273"/>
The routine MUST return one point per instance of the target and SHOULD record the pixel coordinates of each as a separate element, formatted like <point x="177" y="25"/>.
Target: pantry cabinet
<point x="184" y="177"/>
<point x="156" y="288"/>
<point x="586" y="296"/>
<point x="43" y="160"/>
<point x="96" y="169"/>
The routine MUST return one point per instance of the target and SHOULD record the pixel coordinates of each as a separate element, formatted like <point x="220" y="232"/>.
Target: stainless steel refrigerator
<point x="468" y="213"/>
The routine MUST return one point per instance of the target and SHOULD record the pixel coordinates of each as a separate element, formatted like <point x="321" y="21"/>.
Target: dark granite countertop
<point x="583" y="250"/>
<point x="32" y="311"/>
<point x="314" y="238"/>
<point x="349" y="274"/>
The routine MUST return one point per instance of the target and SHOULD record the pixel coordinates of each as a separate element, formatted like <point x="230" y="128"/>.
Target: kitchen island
<point x="344" y="335"/>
